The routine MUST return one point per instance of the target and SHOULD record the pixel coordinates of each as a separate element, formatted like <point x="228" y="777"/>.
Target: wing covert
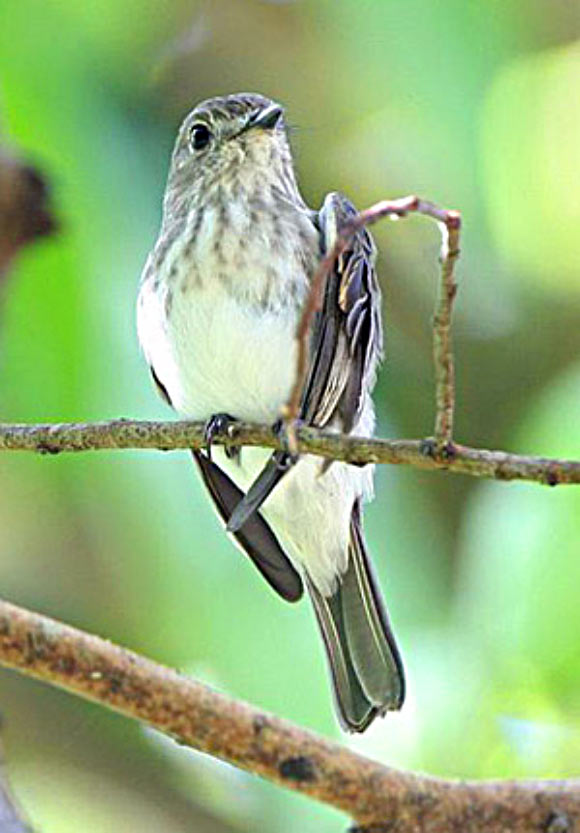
<point x="347" y="339"/>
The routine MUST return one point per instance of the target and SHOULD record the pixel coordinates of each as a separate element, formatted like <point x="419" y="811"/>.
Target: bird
<point x="220" y="296"/>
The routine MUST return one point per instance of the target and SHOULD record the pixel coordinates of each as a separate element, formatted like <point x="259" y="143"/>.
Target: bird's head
<point x="235" y="140"/>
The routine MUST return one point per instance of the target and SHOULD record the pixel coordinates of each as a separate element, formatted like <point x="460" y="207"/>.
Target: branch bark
<point x="375" y="796"/>
<point x="167" y="436"/>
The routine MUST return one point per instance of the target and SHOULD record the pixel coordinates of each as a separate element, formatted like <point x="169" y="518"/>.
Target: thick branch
<point x="167" y="436"/>
<point x="193" y="714"/>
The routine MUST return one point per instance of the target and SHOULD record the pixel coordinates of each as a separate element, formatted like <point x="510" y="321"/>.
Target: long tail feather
<point x="366" y="668"/>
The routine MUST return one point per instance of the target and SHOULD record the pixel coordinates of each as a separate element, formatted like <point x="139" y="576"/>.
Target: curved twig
<point x="449" y="223"/>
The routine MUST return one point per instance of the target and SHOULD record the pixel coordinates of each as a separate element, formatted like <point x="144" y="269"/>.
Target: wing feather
<point x="346" y="343"/>
<point x="255" y="536"/>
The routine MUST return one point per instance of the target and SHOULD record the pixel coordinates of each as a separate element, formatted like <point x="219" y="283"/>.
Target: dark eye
<point x="199" y="136"/>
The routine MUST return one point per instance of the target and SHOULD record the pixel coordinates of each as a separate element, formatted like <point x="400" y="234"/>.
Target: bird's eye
<point x="199" y="136"/>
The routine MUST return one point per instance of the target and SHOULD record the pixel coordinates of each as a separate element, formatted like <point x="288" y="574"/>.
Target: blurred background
<point x="471" y="105"/>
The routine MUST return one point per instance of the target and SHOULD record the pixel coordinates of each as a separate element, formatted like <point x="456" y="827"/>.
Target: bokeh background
<point x="472" y="105"/>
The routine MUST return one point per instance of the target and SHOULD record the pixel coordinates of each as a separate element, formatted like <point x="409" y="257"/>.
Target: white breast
<point x="217" y="322"/>
<point x="214" y="355"/>
<point x="220" y="342"/>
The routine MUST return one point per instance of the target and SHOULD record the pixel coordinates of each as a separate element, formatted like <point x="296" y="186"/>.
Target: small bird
<point x="220" y="297"/>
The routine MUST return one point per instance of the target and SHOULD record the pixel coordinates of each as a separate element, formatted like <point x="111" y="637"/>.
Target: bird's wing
<point x="255" y="538"/>
<point x="347" y="339"/>
<point x="346" y="345"/>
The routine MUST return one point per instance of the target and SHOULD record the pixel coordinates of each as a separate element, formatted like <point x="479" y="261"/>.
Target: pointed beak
<point x="267" y="119"/>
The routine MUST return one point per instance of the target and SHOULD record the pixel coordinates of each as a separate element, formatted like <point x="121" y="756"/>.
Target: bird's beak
<point x="266" y="119"/>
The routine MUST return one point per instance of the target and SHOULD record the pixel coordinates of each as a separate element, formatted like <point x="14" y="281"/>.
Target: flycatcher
<point x="220" y="297"/>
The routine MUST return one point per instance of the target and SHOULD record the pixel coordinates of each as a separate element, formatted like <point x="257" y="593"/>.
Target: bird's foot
<point x="287" y="435"/>
<point x="221" y="426"/>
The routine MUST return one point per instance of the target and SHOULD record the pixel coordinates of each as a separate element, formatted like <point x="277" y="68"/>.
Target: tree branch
<point x="449" y="223"/>
<point x="169" y="436"/>
<point x="377" y="797"/>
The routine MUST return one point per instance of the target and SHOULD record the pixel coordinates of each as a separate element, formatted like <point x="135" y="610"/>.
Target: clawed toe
<point x="220" y="425"/>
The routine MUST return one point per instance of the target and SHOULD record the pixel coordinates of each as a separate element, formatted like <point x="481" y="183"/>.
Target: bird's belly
<point x="215" y="355"/>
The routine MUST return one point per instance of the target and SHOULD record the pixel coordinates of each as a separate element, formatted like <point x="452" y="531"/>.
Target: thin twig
<point x="197" y="716"/>
<point x="170" y="436"/>
<point x="450" y="224"/>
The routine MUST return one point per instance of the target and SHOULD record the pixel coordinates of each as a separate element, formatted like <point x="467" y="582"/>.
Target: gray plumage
<point x="220" y="297"/>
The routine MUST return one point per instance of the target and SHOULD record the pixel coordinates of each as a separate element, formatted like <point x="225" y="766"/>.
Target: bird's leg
<point x="221" y="425"/>
<point x="277" y="466"/>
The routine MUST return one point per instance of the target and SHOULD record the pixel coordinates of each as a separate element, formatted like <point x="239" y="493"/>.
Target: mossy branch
<point x="168" y="436"/>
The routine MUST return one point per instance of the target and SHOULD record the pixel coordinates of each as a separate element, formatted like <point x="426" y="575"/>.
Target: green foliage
<point x="457" y="101"/>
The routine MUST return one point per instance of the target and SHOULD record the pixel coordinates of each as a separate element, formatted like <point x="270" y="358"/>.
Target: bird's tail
<point x="367" y="672"/>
